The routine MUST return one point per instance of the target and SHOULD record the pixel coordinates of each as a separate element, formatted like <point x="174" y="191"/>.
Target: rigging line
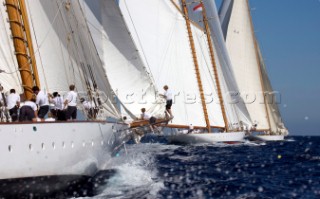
<point x="207" y="64"/>
<point x="89" y="38"/>
<point x="166" y="51"/>
<point x="79" y="45"/>
<point x="11" y="50"/>
<point x="76" y="48"/>
<point x="69" y="50"/>
<point x="140" y="43"/>
<point x="3" y="71"/>
<point x="63" y="57"/>
<point x="39" y="45"/>
<point x="92" y="49"/>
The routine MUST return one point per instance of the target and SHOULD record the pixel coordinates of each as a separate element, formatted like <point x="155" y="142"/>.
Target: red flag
<point x="197" y="8"/>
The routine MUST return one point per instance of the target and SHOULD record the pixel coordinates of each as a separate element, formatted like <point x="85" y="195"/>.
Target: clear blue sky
<point x="288" y="32"/>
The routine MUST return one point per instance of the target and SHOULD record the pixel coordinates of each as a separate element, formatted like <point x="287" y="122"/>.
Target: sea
<point x="158" y="169"/>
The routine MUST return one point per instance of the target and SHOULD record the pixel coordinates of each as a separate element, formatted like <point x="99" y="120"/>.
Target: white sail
<point x="207" y="78"/>
<point x="9" y="77"/>
<point x="236" y="111"/>
<point x="276" y="123"/>
<point x="65" y="52"/>
<point x="121" y="59"/>
<point x="240" y="41"/>
<point x="163" y="39"/>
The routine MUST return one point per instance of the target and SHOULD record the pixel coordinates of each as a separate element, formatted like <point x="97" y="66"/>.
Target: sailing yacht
<point x="176" y="53"/>
<point x="48" y="44"/>
<point x="250" y="71"/>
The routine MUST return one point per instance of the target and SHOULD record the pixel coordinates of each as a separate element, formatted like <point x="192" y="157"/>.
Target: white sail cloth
<point x="276" y="123"/>
<point x="236" y="111"/>
<point x="240" y="41"/>
<point x="121" y="59"/>
<point x="9" y="75"/>
<point x="163" y="39"/>
<point x="65" y="52"/>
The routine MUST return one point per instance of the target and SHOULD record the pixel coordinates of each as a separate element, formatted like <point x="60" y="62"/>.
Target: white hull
<point x="267" y="137"/>
<point x="54" y="149"/>
<point x="195" y="138"/>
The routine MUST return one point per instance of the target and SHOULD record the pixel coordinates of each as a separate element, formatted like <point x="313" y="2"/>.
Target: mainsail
<point x="248" y="65"/>
<point x="163" y="40"/>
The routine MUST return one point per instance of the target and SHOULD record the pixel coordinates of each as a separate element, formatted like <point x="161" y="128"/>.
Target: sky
<point x="288" y="32"/>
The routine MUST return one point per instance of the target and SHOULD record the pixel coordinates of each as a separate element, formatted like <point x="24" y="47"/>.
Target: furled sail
<point x="9" y="75"/>
<point x="240" y="42"/>
<point x="65" y="52"/>
<point x="125" y="69"/>
<point x="163" y="40"/>
<point x="250" y="71"/>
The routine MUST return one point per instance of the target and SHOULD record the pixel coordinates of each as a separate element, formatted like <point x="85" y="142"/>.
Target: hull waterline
<point x="266" y="137"/>
<point x="198" y="138"/>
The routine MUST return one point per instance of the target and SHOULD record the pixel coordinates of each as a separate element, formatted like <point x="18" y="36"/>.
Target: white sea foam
<point x="136" y="173"/>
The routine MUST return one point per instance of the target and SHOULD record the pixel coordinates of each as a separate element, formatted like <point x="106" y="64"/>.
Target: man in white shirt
<point x="89" y="106"/>
<point x="71" y="103"/>
<point x="168" y="96"/>
<point x="57" y="110"/>
<point x="13" y="104"/>
<point x="147" y="116"/>
<point x="42" y="101"/>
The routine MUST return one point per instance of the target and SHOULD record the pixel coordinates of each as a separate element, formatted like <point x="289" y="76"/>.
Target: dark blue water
<point x="289" y="169"/>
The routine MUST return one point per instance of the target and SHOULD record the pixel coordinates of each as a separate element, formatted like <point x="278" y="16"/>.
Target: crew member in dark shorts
<point x="168" y="96"/>
<point x="147" y="116"/>
<point x="71" y="103"/>
<point x="28" y="112"/>
<point x="42" y="101"/>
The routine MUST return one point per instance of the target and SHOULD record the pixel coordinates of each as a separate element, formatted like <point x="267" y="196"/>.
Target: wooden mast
<point x="23" y="45"/>
<point x="214" y="65"/>
<point x="259" y="66"/>
<point x="194" y="56"/>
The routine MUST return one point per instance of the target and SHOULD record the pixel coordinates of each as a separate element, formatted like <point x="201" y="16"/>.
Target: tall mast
<point x="23" y="45"/>
<point x="214" y="65"/>
<point x="194" y="56"/>
<point x="258" y="64"/>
